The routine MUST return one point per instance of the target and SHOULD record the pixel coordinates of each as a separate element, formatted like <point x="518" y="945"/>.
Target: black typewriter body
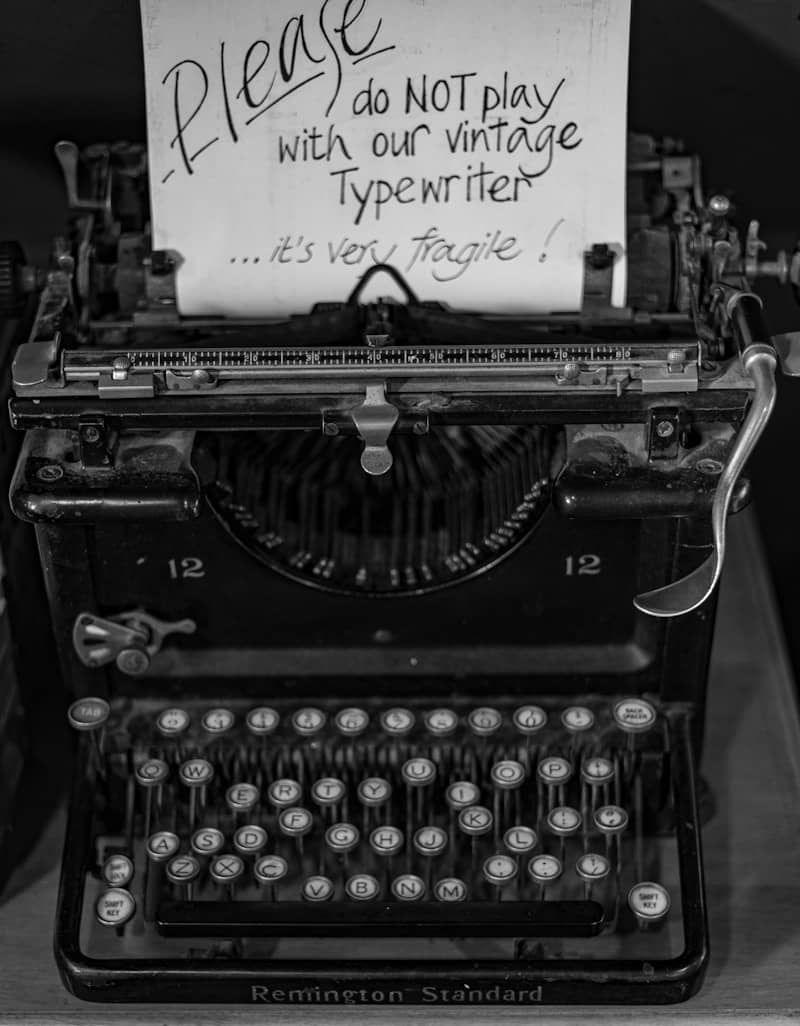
<point x="351" y="734"/>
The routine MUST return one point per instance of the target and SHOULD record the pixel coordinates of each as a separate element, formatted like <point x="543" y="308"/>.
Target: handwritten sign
<point x="478" y="147"/>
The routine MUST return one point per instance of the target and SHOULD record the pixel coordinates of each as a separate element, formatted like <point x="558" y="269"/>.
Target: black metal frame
<point x="248" y="981"/>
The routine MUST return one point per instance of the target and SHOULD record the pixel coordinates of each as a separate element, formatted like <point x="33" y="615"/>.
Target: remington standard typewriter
<point x="385" y="628"/>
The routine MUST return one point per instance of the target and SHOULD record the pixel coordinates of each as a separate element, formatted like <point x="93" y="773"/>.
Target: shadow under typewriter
<point x="549" y="848"/>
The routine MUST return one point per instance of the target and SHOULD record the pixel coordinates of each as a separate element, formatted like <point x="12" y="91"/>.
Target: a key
<point x="159" y="848"/>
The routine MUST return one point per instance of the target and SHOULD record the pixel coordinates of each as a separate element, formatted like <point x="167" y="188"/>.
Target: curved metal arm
<point x="691" y="591"/>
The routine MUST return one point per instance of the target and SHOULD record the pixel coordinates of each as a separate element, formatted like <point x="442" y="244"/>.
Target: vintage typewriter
<point x="385" y="628"/>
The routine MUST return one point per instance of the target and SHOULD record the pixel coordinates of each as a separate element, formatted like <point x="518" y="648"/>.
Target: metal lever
<point x="67" y="155"/>
<point x="759" y="361"/>
<point x="130" y="640"/>
<point x="375" y="419"/>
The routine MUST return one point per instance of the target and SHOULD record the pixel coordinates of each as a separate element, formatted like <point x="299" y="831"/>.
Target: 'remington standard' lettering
<point x="464" y="994"/>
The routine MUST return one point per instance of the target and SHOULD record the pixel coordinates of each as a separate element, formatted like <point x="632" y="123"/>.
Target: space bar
<point x="376" y="919"/>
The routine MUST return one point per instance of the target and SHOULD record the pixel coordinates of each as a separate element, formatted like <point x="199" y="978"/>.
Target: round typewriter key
<point x="351" y="722"/>
<point x="88" y="713"/>
<point x="270" y="868"/>
<point x="218" y="721"/>
<point x="308" y="721"/>
<point x="262" y="721"/>
<point x="499" y="869"/>
<point x="342" y="837"/>
<point x="564" y="820"/>
<point x="597" y="770"/>
<point x="317" y="888"/>
<point x="430" y="840"/>
<point x="151" y="772"/>
<point x="461" y="794"/>
<point x="171" y="722"/>
<point x="610" y="819"/>
<point x="577" y="718"/>
<point x="250" y="839"/>
<point x="295" y="822"/>
<point x="226" y="869"/>
<point x="634" y="715"/>
<point x="450" y="889"/>
<point x="592" y="867"/>
<point x="162" y="845"/>
<point x="418" y="772"/>
<point x="196" y="772"/>
<point x="408" y="887"/>
<point x="328" y="791"/>
<point x="386" y="840"/>
<point x="508" y="774"/>
<point x="529" y="719"/>
<point x="441" y="722"/>
<point x="114" y="907"/>
<point x="362" y="887"/>
<point x="649" y="902"/>
<point x="484" y="721"/>
<point x="374" y="791"/>
<point x="397" y="722"/>
<point x="544" y="869"/>
<point x="182" y="869"/>
<point x="207" y="841"/>
<point x="520" y="840"/>
<point x="554" y="770"/>
<point x="475" y="821"/>
<point x="242" y="797"/>
<point x="284" y="793"/>
<point x="117" y="870"/>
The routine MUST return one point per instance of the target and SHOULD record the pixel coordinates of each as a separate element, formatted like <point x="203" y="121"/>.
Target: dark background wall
<point x="724" y="75"/>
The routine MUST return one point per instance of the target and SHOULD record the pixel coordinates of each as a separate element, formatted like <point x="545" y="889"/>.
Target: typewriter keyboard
<point x="525" y="829"/>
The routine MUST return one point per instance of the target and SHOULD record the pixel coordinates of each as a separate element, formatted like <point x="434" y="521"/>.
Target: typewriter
<point x="385" y="628"/>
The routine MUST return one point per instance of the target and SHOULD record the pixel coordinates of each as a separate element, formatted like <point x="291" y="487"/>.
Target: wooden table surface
<point x="752" y="857"/>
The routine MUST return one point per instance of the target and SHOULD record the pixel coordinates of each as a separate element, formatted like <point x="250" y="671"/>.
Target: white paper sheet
<point x="478" y="147"/>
